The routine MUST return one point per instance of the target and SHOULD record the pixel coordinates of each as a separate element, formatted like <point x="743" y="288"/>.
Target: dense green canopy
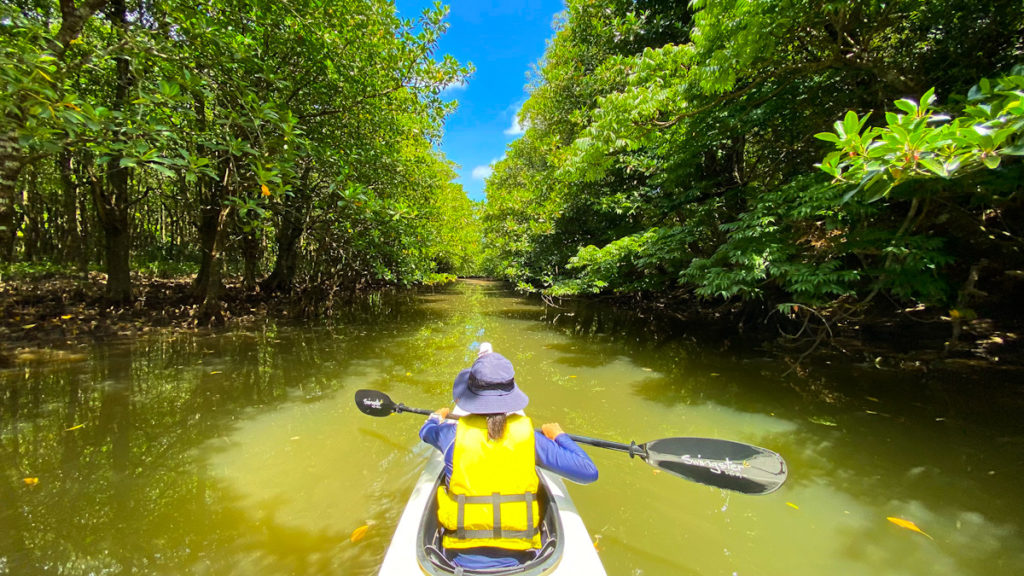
<point x="671" y="150"/>
<point x="786" y="155"/>
<point x="293" y="141"/>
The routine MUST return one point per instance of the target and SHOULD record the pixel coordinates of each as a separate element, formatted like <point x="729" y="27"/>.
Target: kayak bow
<point x="415" y="547"/>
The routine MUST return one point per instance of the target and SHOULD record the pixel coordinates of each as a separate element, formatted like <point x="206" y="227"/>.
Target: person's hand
<point x="552" y="430"/>
<point x="441" y="413"/>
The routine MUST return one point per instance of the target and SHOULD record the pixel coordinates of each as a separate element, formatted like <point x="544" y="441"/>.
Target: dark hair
<point x="495" y="426"/>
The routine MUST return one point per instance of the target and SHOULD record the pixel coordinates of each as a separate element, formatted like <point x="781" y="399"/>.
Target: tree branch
<point x="72" y="21"/>
<point x="355" y="103"/>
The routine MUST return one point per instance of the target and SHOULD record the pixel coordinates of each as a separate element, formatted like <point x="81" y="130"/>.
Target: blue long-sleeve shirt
<point x="561" y="456"/>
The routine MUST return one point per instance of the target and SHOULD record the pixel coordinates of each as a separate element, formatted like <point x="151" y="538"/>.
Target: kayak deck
<point x="414" y="548"/>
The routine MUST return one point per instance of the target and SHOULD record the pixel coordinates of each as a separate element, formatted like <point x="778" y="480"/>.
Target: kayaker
<point x="494" y="449"/>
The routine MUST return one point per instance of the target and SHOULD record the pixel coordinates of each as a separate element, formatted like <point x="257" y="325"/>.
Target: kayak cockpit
<point x="435" y="560"/>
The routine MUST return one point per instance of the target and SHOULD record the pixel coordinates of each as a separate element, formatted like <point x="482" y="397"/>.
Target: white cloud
<point x="516" y="128"/>
<point x="455" y="87"/>
<point x="483" y="172"/>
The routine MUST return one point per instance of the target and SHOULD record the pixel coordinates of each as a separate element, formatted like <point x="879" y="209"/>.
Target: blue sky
<point x="503" y="39"/>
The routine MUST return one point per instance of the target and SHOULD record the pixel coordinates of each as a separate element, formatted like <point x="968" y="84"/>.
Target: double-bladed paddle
<point x="720" y="463"/>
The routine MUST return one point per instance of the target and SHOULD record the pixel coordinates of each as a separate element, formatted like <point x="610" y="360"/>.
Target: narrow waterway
<point x="242" y="452"/>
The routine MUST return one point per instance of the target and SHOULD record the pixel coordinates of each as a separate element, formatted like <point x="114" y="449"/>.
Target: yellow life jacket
<point x="491" y="498"/>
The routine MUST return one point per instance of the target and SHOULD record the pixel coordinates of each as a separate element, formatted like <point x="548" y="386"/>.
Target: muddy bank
<point x="883" y="336"/>
<point x="47" y="318"/>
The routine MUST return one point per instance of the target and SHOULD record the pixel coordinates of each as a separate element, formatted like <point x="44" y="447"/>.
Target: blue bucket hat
<point x="489" y="387"/>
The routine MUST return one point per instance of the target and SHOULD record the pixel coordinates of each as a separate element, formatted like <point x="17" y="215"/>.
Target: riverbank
<point x="48" y="316"/>
<point x="887" y="337"/>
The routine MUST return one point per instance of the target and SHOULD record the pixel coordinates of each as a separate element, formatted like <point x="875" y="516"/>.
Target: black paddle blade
<point x="374" y="403"/>
<point x="720" y="463"/>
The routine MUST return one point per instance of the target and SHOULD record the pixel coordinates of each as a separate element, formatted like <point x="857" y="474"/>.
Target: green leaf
<point x="927" y="100"/>
<point x="162" y="169"/>
<point x="991" y="161"/>
<point x="827" y="136"/>
<point x="851" y="123"/>
<point x="935" y="166"/>
<point x="908" y="106"/>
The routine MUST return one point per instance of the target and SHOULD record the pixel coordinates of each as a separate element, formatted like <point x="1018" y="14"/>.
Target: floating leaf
<point x="359" y="533"/>
<point x="67" y="316"/>
<point x="793" y="506"/>
<point x="215" y="372"/>
<point x="31" y="481"/>
<point x="27" y="326"/>
<point x="908" y="525"/>
<point x="74" y="428"/>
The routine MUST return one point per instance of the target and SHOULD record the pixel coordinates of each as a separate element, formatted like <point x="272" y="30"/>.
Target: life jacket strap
<point x="460" y="533"/>
<point x="496" y="507"/>
<point x="495" y="500"/>
<point x="505" y="534"/>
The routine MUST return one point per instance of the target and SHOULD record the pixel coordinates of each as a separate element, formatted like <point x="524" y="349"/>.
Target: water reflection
<point x="242" y="453"/>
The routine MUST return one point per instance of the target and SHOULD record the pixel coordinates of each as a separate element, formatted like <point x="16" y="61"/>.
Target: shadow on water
<point x="99" y="458"/>
<point x="942" y="448"/>
<point x="575" y="357"/>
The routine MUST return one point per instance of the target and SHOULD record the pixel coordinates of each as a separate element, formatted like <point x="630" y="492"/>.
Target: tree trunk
<point x="250" y="259"/>
<point x="67" y="234"/>
<point x="290" y="230"/>
<point x="113" y="207"/>
<point x="73" y="19"/>
<point x="282" y="277"/>
<point x="208" y="285"/>
<point x="31" y="217"/>
<point x="208" y="293"/>
<point x="85" y="252"/>
<point x="113" y="219"/>
<point x="209" y="227"/>
<point x="10" y="166"/>
<point x="117" y="252"/>
<point x="211" y="213"/>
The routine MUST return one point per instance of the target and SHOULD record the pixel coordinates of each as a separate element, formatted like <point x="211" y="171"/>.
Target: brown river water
<point x="241" y="452"/>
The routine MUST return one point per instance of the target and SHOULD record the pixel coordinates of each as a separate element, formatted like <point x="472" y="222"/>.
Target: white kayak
<point x="567" y="549"/>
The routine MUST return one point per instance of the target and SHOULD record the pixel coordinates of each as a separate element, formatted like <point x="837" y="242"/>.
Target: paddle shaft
<point x="633" y="449"/>
<point x="720" y="463"/>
